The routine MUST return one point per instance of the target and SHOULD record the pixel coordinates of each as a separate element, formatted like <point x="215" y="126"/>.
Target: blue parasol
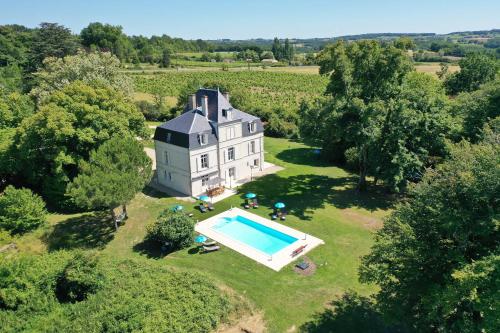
<point x="204" y="198"/>
<point x="177" y="208"/>
<point x="250" y="195"/>
<point x="279" y="205"/>
<point x="200" y="239"/>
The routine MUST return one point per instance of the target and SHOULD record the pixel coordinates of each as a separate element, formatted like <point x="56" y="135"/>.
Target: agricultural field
<point x="261" y="90"/>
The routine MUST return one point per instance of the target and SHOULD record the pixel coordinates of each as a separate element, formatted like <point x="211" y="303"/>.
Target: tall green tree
<point x="71" y="122"/>
<point x="90" y="68"/>
<point x="475" y="69"/>
<point x="107" y="38"/>
<point x="364" y="77"/>
<point x="477" y="108"/>
<point x="277" y="49"/>
<point x="426" y="255"/>
<point x="365" y="70"/>
<point x="165" y="59"/>
<point x="50" y="40"/>
<point x="115" y="172"/>
<point x="413" y="133"/>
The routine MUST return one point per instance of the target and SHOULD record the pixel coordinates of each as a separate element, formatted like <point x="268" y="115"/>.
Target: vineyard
<point x="259" y="90"/>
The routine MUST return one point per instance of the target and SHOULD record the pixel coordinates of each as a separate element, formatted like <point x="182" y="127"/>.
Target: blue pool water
<point x="261" y="237"/>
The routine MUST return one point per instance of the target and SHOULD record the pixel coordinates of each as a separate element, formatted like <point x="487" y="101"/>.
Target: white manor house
<point x="210" y="145"/>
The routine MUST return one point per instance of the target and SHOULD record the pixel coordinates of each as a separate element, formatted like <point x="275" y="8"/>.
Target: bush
<point x="21" y="210"/>
<point x="80" y="278"/>
<point x="135" y="296"/>
<point x="174" y="228"/>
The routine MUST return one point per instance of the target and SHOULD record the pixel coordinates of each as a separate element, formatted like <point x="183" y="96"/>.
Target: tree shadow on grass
<point x="351" y="313"/>
<point x="303" y="194"/>
<point x="150" y="249"/>
<point x="302" y="156"/>
<point x="88" y="231"/>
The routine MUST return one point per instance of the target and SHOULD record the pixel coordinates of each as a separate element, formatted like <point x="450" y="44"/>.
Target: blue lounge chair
<point x="202" y="208"/>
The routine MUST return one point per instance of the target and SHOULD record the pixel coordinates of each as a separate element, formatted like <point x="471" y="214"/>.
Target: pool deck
<point x="276" y="261"/>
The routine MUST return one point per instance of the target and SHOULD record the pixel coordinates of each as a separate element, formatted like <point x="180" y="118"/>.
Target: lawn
<point x="320" y="200"/>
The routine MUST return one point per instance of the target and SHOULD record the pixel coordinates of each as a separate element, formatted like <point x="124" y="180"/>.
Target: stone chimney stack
<point x="204" y="105"/>
<point x="192" y="102"/>
<point x="226" y="95"/>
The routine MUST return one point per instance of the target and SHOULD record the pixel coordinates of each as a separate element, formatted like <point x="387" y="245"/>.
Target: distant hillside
<point x="423" y="39"/>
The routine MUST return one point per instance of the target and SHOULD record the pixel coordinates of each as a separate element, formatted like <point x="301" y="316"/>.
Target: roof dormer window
<point x="252" y="127"/>
<point x="203" y="138"/>
<point x="228" y="114"/>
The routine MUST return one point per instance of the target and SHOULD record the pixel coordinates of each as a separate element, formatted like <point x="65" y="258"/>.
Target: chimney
<point x="192" y="102"/>
<point x="226" y="95"/>
<point x="204" y="105"/>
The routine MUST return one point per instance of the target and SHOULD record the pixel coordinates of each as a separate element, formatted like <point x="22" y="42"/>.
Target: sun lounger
<point x="209" y="243"/>
<point x="203" y="209"/>
<point x="210" y="206"/>
<point x="255" y="203"/>
<point x="283" y="216"/>
<point x="298" y="250"/>
<point x="211" y="248"/>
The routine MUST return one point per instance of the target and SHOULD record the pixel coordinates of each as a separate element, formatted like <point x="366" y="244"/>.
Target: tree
<point x="448" y="222"/>
<point x="363" y="77"/>
<point x="365" y="70"/>
<point x="288" y="51"/>
<point x="477" y="108"/>
<point x="107" y="38"/>
<point x="71" y="122"/>
<point x="21" y="210"/>
<point x="277" y="49"/>
<point x="90" y="68"/>
<point x="165" y="59"/>
<point x="50" y="40"/>
<point x="14" y="107"/>
<point x="174" y="228"/>
<point x="413" y="133"/>
<point x="115" y="172"/>
<point x="475" y="69"/>
<point x="404" y="43"/>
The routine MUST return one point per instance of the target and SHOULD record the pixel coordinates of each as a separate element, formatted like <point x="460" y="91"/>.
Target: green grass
<point x="320" y="200"/>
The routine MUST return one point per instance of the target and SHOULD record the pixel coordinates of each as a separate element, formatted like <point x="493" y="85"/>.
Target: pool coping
<point x="276" y="261"/>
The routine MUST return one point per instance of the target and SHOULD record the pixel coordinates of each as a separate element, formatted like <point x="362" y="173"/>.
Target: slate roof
<point x="185" y="128"/>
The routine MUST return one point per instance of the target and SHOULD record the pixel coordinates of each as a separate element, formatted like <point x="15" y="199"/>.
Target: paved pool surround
<point x="274" y="256"/>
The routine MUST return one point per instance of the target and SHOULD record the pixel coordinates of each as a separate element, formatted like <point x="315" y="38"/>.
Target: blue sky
<point x="238" y="19"/>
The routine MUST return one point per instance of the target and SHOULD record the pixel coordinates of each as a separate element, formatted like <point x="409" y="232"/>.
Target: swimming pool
<point x="254" y="234"/>
<point x="268" y="242"/>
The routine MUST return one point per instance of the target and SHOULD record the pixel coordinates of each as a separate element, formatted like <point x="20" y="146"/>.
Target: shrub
<point x="80" y="278"/>
<point x="21" y="210"/>
<point x="135" y="296"/>
<point x="174" y="228"/>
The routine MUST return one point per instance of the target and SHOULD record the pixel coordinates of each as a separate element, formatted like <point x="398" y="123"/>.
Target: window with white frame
<point x="204" y="161"/>
<point x="169" y="137"/>
<point x="252" y="147"/>
<point x="252" y="127"/>
<point x="256" y="162"/>
<point x="203" y="139"/>
<point x="166" y="157"/>
<point x="230" y="154"/>
<point x="230" y="132"/>
<point x="204" y="180"/>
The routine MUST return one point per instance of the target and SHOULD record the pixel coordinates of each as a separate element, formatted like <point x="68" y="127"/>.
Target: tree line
<point x="436" y="141"/>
